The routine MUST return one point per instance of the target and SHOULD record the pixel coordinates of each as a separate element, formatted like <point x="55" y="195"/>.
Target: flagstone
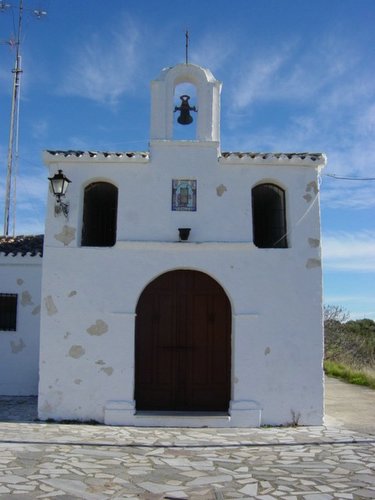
<point x="156" y="487"/>
<point x="209" y="480"/>
<point x="10" y="479"/>
<point x="250" y="489"/>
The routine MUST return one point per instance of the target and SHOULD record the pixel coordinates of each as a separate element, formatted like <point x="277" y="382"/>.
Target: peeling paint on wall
<point x="99" y="328"/>
<point x="26" y="299"/>
<point x="72" y="293"/>
<point x="108" y="370"/>
<point x="67" y="235"/>
<point x="76" y="351"/>
<point x="311" y="263"/>
<point x="17" y="346"/>
<point x="220" y="190"/>
<point x="311" y="189"/>
<point x="50" y="306"/>
<point x="20" y="281"/>
<point x="36" y="310"/>
<point x="46" y="407"/>
<point x="314" y="242"/>
<point x="54" y="400"/>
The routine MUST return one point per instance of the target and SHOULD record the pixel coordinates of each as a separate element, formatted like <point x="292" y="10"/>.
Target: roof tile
<point x="22" y="245"/>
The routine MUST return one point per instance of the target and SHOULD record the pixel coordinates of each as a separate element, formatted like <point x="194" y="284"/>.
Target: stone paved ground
<point x="62" y="461"/>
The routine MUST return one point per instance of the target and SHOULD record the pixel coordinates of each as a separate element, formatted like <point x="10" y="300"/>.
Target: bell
<point x="185" y="117"/>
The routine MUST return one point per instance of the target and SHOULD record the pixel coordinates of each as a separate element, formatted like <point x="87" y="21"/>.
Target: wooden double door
<point x="183" y="344"/>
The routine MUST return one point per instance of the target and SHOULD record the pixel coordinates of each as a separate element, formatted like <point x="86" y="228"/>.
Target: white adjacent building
<point x="20" y="295"/>
<point x="184" y="285"/>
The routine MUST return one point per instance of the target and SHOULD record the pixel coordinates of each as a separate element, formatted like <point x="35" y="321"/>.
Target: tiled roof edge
<point x="318" y="158"/>
<point x="31" y="246"/>
<point x="131" y="155"/>
<point x="225" y="156"/>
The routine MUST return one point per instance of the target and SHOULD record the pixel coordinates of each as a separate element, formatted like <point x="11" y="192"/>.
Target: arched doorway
<point x="183" y="344"/>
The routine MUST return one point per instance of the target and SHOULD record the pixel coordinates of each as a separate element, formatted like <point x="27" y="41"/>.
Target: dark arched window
<point x="99" y="215"/>
<point x="269" y="220"/>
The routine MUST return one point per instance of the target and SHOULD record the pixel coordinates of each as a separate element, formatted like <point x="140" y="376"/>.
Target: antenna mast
<point x="14" y="120"/>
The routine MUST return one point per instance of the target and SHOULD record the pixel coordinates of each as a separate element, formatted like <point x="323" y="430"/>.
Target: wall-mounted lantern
<point x="59" y="184"/>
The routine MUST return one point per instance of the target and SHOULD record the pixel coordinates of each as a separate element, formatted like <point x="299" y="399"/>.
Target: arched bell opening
<point x="183" y="344"/>
<point x="204" y="92"/>
<point x="185" y="112"/>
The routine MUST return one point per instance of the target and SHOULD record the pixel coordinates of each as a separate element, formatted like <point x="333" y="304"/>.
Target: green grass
<point x="349" y="349"/>
<point x="351" y="375"/>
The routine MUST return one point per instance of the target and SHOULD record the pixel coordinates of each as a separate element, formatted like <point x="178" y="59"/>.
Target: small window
<point x="99" y="215"/>
<point x="269" y="219"/>
<point x="8" y="311"/>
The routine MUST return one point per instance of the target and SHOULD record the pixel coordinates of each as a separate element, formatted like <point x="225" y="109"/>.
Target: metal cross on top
<point x="187" y="47"/>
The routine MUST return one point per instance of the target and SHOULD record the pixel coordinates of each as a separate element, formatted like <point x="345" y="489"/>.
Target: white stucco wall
<point x="89" y="295"/>
<point x="19" y="350"/>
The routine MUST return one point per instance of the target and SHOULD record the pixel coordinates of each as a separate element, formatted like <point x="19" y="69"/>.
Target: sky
<point x="298" y="75"/>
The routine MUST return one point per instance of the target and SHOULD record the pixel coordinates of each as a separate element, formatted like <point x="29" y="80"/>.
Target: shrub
<point x="349" y="347"/>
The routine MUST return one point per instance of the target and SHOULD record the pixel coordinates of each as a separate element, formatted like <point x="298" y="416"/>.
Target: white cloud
<point x="103" y="67"/>
<point x="362" y="315"/>
<point x="355" y="160"/>
<point x="32" y="188"/>
<point x="39" y="128"/>
<point x="212" y="51"/>
<point x="323" y="71"/>
<point x="336" y="194"/>
<point x="355" y="88"/>
<point x="30" y="206"/>
<point x="28" y="224"/>
<point x="358" y="306"/>
<point x="343" y="299"/>
<point x="259" y="79"/>
<point x="298" y="134"/>
<point x="344" y="251"/>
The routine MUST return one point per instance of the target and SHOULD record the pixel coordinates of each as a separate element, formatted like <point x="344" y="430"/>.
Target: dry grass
<point x="350" y="351"/>
<point x="353" y="376"/>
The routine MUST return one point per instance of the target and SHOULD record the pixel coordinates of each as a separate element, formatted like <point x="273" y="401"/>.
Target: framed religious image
<point x="184" y="195"/>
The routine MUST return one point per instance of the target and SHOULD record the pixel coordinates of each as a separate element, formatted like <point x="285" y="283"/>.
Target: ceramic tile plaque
<point x="184" y="195"/>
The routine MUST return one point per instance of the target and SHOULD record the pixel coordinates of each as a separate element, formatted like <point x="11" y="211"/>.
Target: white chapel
<point x="180" y="286"/>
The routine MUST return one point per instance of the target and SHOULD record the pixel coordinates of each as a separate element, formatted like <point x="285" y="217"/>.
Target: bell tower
<point x="206" y="109"/>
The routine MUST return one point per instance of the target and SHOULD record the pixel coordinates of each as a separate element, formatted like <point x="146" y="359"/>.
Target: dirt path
<point x="350" y="406"/>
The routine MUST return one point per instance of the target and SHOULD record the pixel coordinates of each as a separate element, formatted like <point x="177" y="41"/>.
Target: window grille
<point x="8" y="311"/>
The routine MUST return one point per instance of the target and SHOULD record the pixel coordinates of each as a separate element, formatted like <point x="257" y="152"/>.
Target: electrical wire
<point x="299" y="220"/>
<point x="334" y="176"/>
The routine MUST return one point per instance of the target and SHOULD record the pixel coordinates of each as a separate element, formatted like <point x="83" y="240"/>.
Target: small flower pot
<point x="184" y="233"/>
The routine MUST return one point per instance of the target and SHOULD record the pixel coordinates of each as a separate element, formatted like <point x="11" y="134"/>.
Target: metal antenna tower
<point x="14" y="119"/>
